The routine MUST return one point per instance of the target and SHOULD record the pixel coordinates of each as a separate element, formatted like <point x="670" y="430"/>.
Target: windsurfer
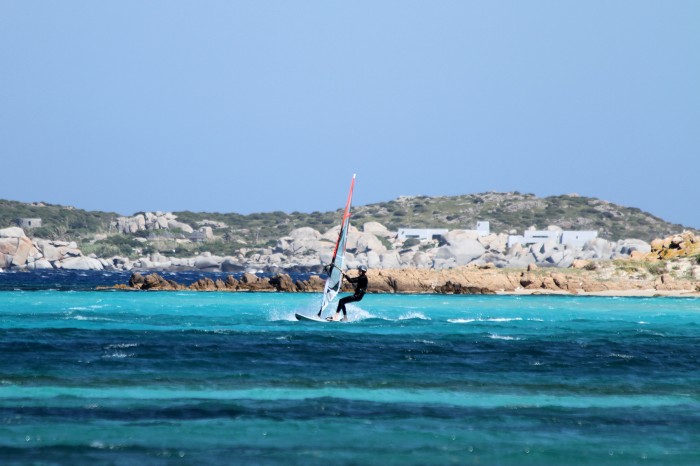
<point x="360" y="283"/>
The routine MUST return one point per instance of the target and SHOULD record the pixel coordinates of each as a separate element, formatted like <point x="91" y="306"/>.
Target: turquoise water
<point x="232" y="378"/>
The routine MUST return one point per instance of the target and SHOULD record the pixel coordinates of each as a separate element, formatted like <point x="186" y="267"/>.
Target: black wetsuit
<point x="360" y="289"/>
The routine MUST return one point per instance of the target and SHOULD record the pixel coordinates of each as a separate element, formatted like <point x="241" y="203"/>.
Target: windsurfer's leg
<point x="341" y="306"/>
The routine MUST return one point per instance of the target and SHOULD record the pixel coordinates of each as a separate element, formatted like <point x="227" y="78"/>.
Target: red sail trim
<point x="345" y="219"/>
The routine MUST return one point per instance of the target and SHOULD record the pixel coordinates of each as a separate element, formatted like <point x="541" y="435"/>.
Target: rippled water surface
<point x="90" y="377"/>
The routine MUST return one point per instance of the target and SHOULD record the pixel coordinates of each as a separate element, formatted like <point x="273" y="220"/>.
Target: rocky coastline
<point x="460" y="262"/>
<point x="586" y="280"/>
<point x="306" y="250"/>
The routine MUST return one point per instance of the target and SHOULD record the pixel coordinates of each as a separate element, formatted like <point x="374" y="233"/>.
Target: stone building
<point x="28" y="222"/>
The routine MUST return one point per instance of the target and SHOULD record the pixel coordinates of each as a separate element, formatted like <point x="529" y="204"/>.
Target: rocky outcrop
<point x="305" y="250"/>
<point x="19" y="251"/>
<point x="462" y="280"/>
<point x="682" y="245"/>
<point x="150" y="221"/>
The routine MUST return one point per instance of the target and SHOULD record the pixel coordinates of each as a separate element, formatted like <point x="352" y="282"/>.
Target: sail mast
<point x="334" y="269"/>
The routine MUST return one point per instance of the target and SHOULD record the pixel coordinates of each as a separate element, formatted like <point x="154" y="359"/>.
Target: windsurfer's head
<point x="362" y="268"/>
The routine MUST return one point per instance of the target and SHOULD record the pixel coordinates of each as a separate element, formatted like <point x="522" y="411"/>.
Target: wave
<point x="122" y="345"/>
<point x="414" y="315"/>
<point x="621" y="356"/>
<point x="489" y="319"/>
<point x="89" y="318"/>
<point x="118" y="355"/>
<point x="496" y="336"/>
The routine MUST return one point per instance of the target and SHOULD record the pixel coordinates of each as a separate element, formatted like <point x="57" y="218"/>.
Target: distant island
<point x="487" y="231"/>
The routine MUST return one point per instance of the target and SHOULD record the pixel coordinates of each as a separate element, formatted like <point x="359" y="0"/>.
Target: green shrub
<point x="410" y="242"/>
<point x="656" y="268"/>
<point x="385" y="242"/>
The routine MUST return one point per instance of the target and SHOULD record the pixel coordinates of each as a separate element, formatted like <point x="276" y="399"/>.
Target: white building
<point x="567" y="238"/>
<point x="482" y="229"/>
<point x="420" y="233"/>
<point x="28" y="222"/>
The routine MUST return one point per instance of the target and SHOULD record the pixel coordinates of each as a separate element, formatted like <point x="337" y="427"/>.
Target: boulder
<point x="208" y="262"/>
<point x="12" y="232"/>
<point x="136" y="280"/>
<point x="49" y="251"/>
<point x="25" y="248"/>
<point x="283" y="282"/>
<point x="628" y="246"/>
<point x="156" y="282"/>
<point x="494" y="243"/>
<point x="496" y="260"/>
<point x="463" y="251"/>
<point x="568" y="257"/>
<point x="542" y="251"/>
<point x="377" y="229"/>
<point x="421" y="260"/>
<point x="208" y="232"/>
<point x="313" y="284"/>
<point x="252" y="282"/>
<point x="390" y="260"/>
<point x="162" y="223"/>
<point x="203" y="284"/>
<point x="79" y="263"/>
<point x="369" y="242"/>
<point x="372" y="260"/>
<point x="40" y="264"/>
<point x="457" y="237"/>
<point x="230" y="264"/>
<point x="130" y="224"/>
<point x="332" y="234"/>
<point x="304" y="234"/>
<point x="600" y="248"/>
<point x="520" y="261"/>
<point x="8" y="246"/>
<point x="580" y="264"/>
<point x="444" y="263"/>
<point x="69" y="251"/>
<point x="172" y="224"/>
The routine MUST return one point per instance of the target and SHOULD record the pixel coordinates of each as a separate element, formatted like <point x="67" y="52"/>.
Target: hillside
<point x="58" y="222"/>
<point x="504" y="211"/>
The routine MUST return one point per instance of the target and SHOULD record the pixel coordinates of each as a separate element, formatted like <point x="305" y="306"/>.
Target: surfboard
<point x="312" y="318"/>
<point x="309" y="318"/>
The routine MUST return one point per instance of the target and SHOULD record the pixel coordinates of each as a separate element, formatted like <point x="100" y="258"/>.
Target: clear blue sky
<point x="233" y="106"/>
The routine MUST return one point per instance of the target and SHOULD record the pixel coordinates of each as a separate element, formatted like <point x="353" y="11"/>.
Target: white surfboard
<point x="312" y="318"/>
<point x="309" y="318"/>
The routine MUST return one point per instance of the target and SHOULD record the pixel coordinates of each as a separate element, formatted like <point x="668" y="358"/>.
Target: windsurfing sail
<point x="335" y="268"/>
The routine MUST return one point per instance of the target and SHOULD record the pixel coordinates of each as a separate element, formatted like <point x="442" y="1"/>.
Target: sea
<point x="90" y="377"/>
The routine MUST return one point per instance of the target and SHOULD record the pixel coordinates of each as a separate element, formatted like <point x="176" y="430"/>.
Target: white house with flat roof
<point x="482" y="229"/>
<point x="567" y="237"/>
<point x="421" y="233"/>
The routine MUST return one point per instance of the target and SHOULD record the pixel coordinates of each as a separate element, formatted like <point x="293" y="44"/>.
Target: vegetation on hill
<point x="58" y="222"/>
<point x="516" y="211"/>
<point x="505" y="211"/>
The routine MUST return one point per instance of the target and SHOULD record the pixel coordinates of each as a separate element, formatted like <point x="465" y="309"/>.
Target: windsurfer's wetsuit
<point x="360" y="283"/>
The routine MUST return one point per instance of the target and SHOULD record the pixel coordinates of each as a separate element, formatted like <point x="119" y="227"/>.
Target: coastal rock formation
<point x="462" y="280"/>
<point x="681" y="245"/>
<point x="150" y="221"/>
<point x="18" y="251"/>
<point x="305" y="250"/>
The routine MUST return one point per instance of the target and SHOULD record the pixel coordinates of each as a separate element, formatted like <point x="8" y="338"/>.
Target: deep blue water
<point x="105" y="377"/>
<point x="75" y="280"/>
